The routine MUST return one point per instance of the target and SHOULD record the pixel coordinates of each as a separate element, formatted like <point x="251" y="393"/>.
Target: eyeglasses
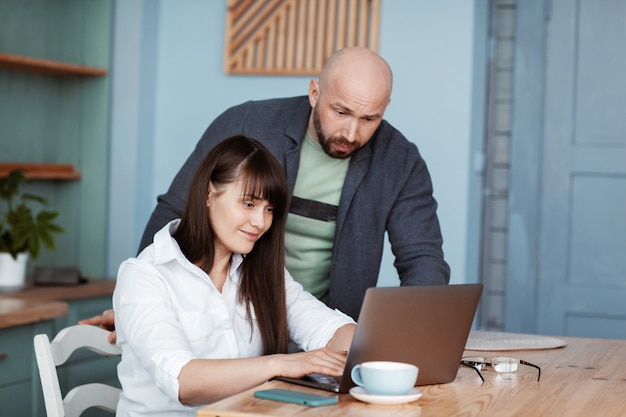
<point x="501" y="364"/>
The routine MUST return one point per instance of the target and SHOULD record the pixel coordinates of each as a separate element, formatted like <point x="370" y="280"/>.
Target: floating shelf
<point x="48" y="67"/>
<point x="41" y="171"/>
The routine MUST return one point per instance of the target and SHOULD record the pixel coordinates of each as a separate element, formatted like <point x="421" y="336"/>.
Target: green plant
<point x="22" y="230"/>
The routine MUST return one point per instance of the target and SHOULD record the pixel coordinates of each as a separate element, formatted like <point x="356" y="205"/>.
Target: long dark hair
<point x="263" y="276"/>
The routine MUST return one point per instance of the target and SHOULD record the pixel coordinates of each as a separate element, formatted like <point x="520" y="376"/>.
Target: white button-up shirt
<point x="168" y="312"/>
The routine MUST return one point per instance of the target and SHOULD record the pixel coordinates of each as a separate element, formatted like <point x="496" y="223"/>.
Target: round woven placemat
<point x="493" y="341"/>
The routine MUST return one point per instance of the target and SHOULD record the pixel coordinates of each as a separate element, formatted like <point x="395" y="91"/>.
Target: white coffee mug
<point x="385" y="378"/>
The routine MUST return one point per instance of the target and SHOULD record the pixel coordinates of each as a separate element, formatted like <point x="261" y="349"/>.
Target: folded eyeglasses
<point x="501" y="364"/>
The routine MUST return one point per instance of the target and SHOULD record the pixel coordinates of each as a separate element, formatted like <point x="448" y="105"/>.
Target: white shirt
<point x="168" y="312"/>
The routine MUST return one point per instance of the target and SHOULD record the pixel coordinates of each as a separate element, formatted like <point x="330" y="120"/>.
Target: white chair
<point x="49" y="355"/>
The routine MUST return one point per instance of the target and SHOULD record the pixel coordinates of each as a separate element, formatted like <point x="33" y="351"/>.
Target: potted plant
<point x="23" y="231"/>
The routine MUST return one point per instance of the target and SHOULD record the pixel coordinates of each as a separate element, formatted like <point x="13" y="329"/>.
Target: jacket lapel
<point x="359" y="166"/>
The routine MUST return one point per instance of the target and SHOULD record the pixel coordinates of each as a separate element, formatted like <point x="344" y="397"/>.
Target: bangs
<point x="259" y="180"/>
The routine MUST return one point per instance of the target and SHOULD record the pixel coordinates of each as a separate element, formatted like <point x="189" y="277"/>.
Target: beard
<point x="327" y="142"/>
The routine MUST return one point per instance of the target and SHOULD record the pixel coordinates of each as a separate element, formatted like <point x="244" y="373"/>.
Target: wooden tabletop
<point x="18" y="311"/>
<point x="585" y="378"/>
<point x="36" y="302"/>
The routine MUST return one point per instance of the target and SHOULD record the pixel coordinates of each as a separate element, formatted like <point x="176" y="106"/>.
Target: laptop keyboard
<point x="330" y="380"/>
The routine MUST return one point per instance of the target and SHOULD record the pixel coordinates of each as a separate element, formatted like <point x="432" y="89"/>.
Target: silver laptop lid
<point x="427" y="326"/>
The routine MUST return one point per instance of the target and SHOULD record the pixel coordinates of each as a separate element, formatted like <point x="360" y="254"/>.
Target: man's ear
<point x="314" y="92"/>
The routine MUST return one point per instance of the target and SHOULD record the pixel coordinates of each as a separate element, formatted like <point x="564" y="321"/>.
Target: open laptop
<point x="427" y="326"/>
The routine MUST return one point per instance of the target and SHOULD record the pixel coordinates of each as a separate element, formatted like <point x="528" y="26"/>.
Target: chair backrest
<point x="49" y="355"/>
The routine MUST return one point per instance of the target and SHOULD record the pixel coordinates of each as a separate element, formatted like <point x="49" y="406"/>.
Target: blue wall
<point x="168" y="85"/>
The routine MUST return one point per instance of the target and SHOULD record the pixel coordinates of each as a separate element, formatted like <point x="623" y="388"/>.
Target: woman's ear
<point x="208" y="194"/>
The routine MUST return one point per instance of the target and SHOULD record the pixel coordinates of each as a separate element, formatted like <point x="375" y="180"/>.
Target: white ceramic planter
<point x="12" y="271"/>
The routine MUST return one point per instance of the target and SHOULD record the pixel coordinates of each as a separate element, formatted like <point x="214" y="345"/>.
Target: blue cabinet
<point x="20" y="388"/>
<point x="17" y="369"/>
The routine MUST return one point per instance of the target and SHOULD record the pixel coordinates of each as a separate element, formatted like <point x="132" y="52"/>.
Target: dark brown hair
<point x="262" y="282"/>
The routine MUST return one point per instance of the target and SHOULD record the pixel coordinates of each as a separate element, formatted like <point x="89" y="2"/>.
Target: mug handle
<point x="356" y="375"/>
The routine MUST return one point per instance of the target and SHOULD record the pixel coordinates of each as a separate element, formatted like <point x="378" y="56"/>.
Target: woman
<point x="208" y="309"/>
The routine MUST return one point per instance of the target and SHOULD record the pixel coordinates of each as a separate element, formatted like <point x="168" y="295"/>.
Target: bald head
<point x="361" y="67"/>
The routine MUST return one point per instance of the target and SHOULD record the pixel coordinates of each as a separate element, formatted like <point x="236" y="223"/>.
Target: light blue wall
<point x="168" y="85"/>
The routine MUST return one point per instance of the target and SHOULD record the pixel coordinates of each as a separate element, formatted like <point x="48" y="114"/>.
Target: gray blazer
<point x="387" y="189"/>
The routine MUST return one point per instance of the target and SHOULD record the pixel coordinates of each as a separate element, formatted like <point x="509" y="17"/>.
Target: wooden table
<point x="585" y="378"/>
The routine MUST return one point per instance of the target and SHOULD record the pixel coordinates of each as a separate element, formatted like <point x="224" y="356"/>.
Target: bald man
<point x="352" y="176"/>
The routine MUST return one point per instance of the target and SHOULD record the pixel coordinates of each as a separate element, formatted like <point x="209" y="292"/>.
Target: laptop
<point x="427" y="326"/>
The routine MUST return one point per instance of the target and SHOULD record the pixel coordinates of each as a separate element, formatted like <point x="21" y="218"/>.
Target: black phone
<point x="297" y="397"/>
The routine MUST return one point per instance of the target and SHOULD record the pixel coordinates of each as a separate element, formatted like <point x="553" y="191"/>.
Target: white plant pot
<point x="12" y="271"/>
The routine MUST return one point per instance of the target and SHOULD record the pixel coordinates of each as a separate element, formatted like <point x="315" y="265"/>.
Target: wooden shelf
<point x="48" y="67"/>
<point x="41" y="171"/>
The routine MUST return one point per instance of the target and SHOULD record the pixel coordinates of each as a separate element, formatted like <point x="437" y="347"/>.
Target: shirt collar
<point x="165" y="246"/>
<point x="166" y="249"/>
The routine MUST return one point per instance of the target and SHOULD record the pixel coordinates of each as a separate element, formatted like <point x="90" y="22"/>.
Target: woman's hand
<point x="106" y="321"/>
<point x="321" y="361"/>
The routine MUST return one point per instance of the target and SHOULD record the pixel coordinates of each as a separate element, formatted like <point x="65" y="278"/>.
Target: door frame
<point x="525" y="169"/>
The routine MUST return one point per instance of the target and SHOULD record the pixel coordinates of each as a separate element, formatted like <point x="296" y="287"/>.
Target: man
<point x="352" y="176"/>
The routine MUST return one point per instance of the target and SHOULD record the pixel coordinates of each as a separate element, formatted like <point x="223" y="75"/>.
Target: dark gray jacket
<point x="387" y="188"/>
